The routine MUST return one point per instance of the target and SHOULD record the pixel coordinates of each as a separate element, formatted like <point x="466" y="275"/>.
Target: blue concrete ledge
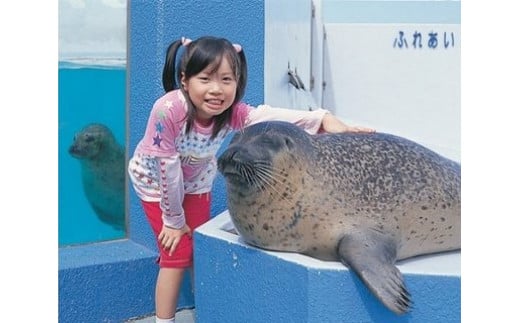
<point x="235" y="282"/>
<point x="105" y="282"/>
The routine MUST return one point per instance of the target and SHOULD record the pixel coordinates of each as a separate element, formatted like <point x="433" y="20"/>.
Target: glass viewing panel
<point x="92" y="127"/>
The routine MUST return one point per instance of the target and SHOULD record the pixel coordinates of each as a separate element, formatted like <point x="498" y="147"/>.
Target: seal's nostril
<point x="228" y="156"/>
<point x="226" y="159"/>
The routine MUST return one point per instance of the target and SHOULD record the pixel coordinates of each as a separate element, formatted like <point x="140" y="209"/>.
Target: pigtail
<point x="168" y="75"/>
<point x="242" y="80"/>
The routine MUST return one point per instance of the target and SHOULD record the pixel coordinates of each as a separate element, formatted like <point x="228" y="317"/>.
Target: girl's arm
<point x="309" y="121"/>
<point x="313" y="122"/>
<point x="172" y="191"/>
<point x="172" y="195"/>
<point x="332" y="124"/>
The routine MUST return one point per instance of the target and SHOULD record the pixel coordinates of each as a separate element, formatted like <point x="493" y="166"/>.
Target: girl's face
<point x="211" y="92"/>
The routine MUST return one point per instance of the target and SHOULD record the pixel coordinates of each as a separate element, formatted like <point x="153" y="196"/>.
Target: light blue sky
<point x="92" y="29"/>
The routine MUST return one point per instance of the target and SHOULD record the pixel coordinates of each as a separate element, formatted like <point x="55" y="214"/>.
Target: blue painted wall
<point x="113" y="281"/>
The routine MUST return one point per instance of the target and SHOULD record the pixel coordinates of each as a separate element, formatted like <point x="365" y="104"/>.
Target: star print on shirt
<point x="157" y="140"/>
<point x="161" y="114"/>
<point x="159" y="127"/>
<point x="168" y="104"/>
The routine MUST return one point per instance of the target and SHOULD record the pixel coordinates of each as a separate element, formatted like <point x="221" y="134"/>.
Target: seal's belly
<point x="267" y="230"/>
<point x="311" y="232"/>
<point x="316" y="229"/>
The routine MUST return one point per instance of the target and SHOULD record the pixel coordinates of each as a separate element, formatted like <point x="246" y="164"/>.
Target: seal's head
<point x="257" y="156"/>
<point x="91" y="141"/>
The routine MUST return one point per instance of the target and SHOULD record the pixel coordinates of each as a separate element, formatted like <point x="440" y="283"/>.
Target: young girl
<point x="174" y="164"/>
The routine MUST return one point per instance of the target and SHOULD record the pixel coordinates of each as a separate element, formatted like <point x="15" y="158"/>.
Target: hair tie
<point x="185" y="41"/>
<point x="238" y="48"/>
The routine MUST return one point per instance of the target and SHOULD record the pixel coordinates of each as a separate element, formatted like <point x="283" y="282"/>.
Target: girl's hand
<point x="331" y="124"/>
<point x="170" y="237"/>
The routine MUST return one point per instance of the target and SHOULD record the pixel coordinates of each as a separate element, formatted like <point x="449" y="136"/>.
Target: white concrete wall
<point x="347" y="48"/>
<point x="411" y="92"/>
<point x="287" y="46"/>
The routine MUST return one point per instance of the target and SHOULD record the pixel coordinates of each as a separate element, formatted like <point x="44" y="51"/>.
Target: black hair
<point x="198" y="55"/>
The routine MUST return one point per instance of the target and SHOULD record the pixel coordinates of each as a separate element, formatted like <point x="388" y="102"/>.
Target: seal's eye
<point x="267" y="141"/>
<point x="89" y="138"/>
<point x="289" y="142"/>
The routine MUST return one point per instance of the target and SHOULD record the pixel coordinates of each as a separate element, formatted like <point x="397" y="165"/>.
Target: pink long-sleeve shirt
<point x="168" y="162"/>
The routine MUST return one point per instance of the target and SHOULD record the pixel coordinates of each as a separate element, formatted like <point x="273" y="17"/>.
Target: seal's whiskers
<point x="267" y="178"/>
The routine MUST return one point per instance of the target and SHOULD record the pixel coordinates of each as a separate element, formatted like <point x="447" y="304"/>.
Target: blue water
<point x="86" y="94"/>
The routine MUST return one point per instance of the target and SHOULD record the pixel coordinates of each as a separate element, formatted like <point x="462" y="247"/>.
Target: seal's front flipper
<point x="371" y="254"/>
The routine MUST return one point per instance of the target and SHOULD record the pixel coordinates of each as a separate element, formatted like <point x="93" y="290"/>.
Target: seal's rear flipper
<point x="371" y="255"/>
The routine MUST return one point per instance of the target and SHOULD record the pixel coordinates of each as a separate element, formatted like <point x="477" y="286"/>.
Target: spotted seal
<point x="102" y="162"/>
<point x="367" y="200"/>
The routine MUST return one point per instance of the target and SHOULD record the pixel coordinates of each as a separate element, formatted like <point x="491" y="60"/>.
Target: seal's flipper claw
<point x="371" y="255"/>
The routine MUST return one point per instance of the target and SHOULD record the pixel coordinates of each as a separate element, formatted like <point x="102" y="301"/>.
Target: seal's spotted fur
<point x="366" y="200"/>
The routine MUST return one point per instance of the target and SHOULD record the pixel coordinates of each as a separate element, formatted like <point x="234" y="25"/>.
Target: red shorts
<point x="196" y="210"/>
